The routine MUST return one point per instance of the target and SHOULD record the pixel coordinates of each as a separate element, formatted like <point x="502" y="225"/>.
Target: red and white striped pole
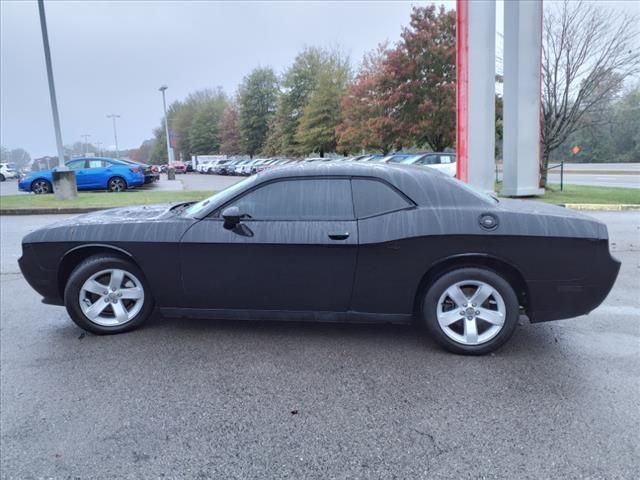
<point x="475" y="77"/>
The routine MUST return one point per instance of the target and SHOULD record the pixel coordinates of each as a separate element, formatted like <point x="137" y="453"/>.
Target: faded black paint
<point x="296" y="266"/>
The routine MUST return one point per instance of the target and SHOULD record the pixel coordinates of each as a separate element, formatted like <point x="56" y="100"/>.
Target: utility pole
<point x="166" y="124"/>
<point x="113" y="116"/>
<point x="86" y="142"/>
<point x="64" y="179"/>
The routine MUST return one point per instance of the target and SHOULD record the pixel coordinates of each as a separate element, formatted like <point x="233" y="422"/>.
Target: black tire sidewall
<point x="437" y="288"/>
<point x="49" y="188"/>
<point x="91" y="266"/>
<point x="124" y="182"/>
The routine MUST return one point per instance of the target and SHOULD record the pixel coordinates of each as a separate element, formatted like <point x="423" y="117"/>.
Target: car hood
<point x="140" y="223"/>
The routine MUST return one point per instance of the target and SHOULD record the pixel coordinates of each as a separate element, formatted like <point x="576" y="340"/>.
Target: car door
<point x="381" y="282"/>
<point x="296" y="250"/>
<point x="96" y="173"/>
<point x="79" y="167"/>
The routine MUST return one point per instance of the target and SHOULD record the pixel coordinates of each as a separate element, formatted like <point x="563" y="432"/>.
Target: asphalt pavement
<point x="218" y="399"/>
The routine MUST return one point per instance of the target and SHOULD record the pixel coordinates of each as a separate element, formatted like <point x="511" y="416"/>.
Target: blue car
<point x="94" y="173"/>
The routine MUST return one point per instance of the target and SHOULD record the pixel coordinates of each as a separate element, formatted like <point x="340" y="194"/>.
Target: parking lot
<point x="222" y="399"/>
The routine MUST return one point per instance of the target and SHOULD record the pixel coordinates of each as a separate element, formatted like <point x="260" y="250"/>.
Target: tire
<point x="120" y="307"/>
<point x="465" y="327"/>
<point x="2" y="179"/>
<point x="41" y="187"/>
<point x="116" y="184"/>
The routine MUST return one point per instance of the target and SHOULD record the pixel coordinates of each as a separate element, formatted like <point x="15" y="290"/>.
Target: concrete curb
<point x="49" y="211"/>
<point x="603" y="207"/>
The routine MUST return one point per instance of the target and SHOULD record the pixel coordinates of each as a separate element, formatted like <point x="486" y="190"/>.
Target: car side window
<point x="372" y="197"/>
<point x="96" y="164"/>
<point x="76" y="164"/>
<point x="445" y="159"/>
<point x="299" y="199"/>
<point x="429" y="160"/>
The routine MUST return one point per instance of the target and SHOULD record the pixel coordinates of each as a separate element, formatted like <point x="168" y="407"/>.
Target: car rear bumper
<point x="556" y="300"/>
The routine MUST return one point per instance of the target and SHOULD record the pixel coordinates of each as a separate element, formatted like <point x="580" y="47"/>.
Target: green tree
<point x="298" y="82"/>
<point x="257" y="97"/>
<point x="317" y="128"/>
<point x="206" y="127"/>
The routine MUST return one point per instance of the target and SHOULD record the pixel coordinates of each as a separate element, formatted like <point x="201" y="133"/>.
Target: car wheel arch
<point x="72" y="258"/>
<point x="478" y="260"/>
<point x="40" y="179"/>
<point x="121" y="177"/>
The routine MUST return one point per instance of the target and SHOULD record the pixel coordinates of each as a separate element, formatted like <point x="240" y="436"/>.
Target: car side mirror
<point x="231" y="216"/>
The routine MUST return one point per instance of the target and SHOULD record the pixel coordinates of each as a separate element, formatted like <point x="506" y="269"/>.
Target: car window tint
<point x="374" y="198"/>
<point x="96" y="164"/>
<point x="76" y="165"/>
<point x="429" y="160"/>
<point x="313" y="199"/>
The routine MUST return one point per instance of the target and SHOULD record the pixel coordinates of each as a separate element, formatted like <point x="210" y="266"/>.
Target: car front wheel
<point x="471" y="311"/>
<point x="107" y="294"/>
<point x="40" y="187"/>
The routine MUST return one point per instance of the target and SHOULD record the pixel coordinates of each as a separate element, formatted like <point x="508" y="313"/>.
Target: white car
<point x="7" y="170"/>
<point x="445" y="162"/>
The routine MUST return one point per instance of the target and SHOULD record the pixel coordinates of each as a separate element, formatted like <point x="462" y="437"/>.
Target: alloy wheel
<point x="40" y="187"/>
<point x="471" y="312"/>
<point x="111" y="297"/>
<point x="116" y="185"/>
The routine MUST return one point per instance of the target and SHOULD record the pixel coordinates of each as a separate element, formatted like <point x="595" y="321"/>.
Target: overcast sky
<point x="111" y="57"/>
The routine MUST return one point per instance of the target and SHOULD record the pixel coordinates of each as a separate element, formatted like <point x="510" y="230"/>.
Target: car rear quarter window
<point x="372" y="197"/>
<point x="304" y="199"/>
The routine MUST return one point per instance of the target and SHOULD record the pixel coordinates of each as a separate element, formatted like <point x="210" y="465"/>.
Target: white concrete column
<point x="522" y="96"/>
<point x="476" y="92"/>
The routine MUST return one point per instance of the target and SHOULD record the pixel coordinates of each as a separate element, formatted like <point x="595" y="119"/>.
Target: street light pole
<point x="113" y="116"/>
<point x="86" y="142"/>
<point x="64" y="179"/>
<point x="99" y="148"/>
<point x="166" y="124"/>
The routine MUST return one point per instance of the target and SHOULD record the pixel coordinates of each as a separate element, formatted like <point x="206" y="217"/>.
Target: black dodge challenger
<point x="330" y="242"/>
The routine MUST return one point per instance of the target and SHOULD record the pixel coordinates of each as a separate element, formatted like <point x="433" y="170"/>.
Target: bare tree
<point x="588" y="52"/>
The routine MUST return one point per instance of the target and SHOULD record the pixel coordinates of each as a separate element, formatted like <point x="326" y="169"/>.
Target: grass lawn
<point x="99" y="199"/>
<point x="591" y="195"/>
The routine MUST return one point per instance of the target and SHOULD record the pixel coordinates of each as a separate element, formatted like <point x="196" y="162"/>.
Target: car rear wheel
<point x="116" y="184"/>
<point x="40" y="187"/>
<point x="471" y="311"/>
<point x="2" y="179"/>
<point x="107" y="294"/>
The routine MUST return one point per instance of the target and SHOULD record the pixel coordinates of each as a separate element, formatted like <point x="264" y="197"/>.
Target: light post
<point x="166" y="124"/>
<point x="86" y="143"/>
<point x="64" y="179"/>
<point x="113" y="116"/>
<point x="99" y="148"/>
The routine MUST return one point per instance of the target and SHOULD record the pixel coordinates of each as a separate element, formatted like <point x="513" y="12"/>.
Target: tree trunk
<point x="544" y="165"/>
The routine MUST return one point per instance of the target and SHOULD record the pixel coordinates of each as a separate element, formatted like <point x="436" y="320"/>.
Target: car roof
<point x="425" y="186"/>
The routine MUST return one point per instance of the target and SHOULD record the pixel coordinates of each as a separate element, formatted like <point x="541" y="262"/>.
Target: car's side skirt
<point x="287" y="315"/>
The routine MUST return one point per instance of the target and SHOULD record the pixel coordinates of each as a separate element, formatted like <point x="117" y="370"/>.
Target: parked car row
<point x="93" y="173"/>
<point x="7" y="170"/>
<point x="446" y="162"/>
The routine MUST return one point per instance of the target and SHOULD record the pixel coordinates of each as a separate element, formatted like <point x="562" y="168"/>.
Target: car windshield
<point x="219" y="197"/>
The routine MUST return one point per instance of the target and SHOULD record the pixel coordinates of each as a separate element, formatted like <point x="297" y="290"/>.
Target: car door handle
<point x="339" y="236"/>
